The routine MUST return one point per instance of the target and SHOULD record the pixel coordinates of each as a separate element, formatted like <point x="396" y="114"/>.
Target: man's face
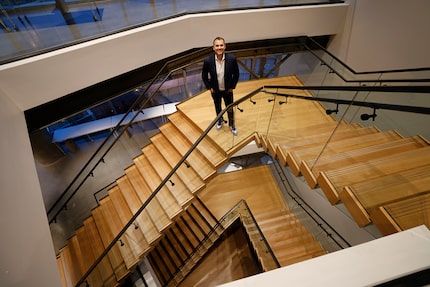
<point x="219" y="47"/>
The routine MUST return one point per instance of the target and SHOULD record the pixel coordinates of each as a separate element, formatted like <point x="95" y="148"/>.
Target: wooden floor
<point x="257" y="186"/>
<point x="229" y="260"/>
<point x="255" y="117"/>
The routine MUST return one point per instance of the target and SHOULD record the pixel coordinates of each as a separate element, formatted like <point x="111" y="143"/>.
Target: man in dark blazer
<point x="220" y="74"/>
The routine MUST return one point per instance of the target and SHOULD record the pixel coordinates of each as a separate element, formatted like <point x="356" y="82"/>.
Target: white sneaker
<point x="219" y="125"/>
<point x="234" y="130"/>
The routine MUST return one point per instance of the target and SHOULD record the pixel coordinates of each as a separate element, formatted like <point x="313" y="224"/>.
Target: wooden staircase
<point x="373" y="173"/>
<point x="171" y="257"/>
<point x="173" y="202"/>
<point x="339" y="158"/>
<point x="366" y="173"/>
<point x="288" y="238"/>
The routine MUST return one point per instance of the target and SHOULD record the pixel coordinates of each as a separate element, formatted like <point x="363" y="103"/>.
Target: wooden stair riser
<point x="200" y="163"/>
<point x="215" y="156"/>
<point x="106" y="235"/>
<point x="176" y="187"/>
<point x="169" y="207"/>
<point x="185" y="172"/>
<point x="144" y="220"/>
<point x="179" y="243"/>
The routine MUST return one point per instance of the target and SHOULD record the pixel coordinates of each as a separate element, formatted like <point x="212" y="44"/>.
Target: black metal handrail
<point x="373" y="105"/>
<point x="310" y="43"/>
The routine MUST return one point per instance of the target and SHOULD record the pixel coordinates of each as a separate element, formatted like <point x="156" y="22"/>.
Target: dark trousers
<point x="228" y="99"/>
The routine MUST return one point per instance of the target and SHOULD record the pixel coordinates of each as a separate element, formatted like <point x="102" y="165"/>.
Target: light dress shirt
<point x="220" y="72"/>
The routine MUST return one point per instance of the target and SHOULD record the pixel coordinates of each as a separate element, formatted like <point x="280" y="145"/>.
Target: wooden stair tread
<point x="201" y="165"/>
<point x="144" y="220"/>
<point x="75" y="261"/>
<point x="273" y="140"/>
<point x="167" y="206"/>
<point x="364" y="198"/>
<point x="403" y="214"/>
<point x="333" y="181"/>
<point x="200" y="219"/>
<point x="106" y="235"/>
<point x="309" y="131"/>
<point x="63" y="271"/>
<point x="176" y="189"/>
<point x="298" y="234"/>
<point x="179" y="243"/>
<point x="287" y="220"/>
<point x="270" y="214"/>
<point x="298" y="250"/>
<point x="72" y="276"/>
<point x="138" y="243"/>
<point x="339" y="134"/>
<point x="284" y="149"/>
<point x="364" y="154"/>
<point x="206" y="147"/>
<point x="305" y="156"/>
<point x="97" y="247"/>
<point x="287" y="237"/>
<point x="95" y="278"/>
<point x="185" y="171"/>
<point x="286" y="260"/>
<point x="125" y="248"/>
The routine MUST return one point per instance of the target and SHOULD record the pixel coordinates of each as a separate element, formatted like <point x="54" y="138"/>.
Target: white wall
<point x="71" y="69"/>
<point x="27" y="255"/>
<point x="385" y="35"/>
<point x="368" y="264"/>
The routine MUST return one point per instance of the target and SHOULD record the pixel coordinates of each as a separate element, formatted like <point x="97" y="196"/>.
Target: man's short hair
<point x="218" y="38"/>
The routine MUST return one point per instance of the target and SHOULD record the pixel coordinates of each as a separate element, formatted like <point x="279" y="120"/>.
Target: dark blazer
<point x="231" y="72"/>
